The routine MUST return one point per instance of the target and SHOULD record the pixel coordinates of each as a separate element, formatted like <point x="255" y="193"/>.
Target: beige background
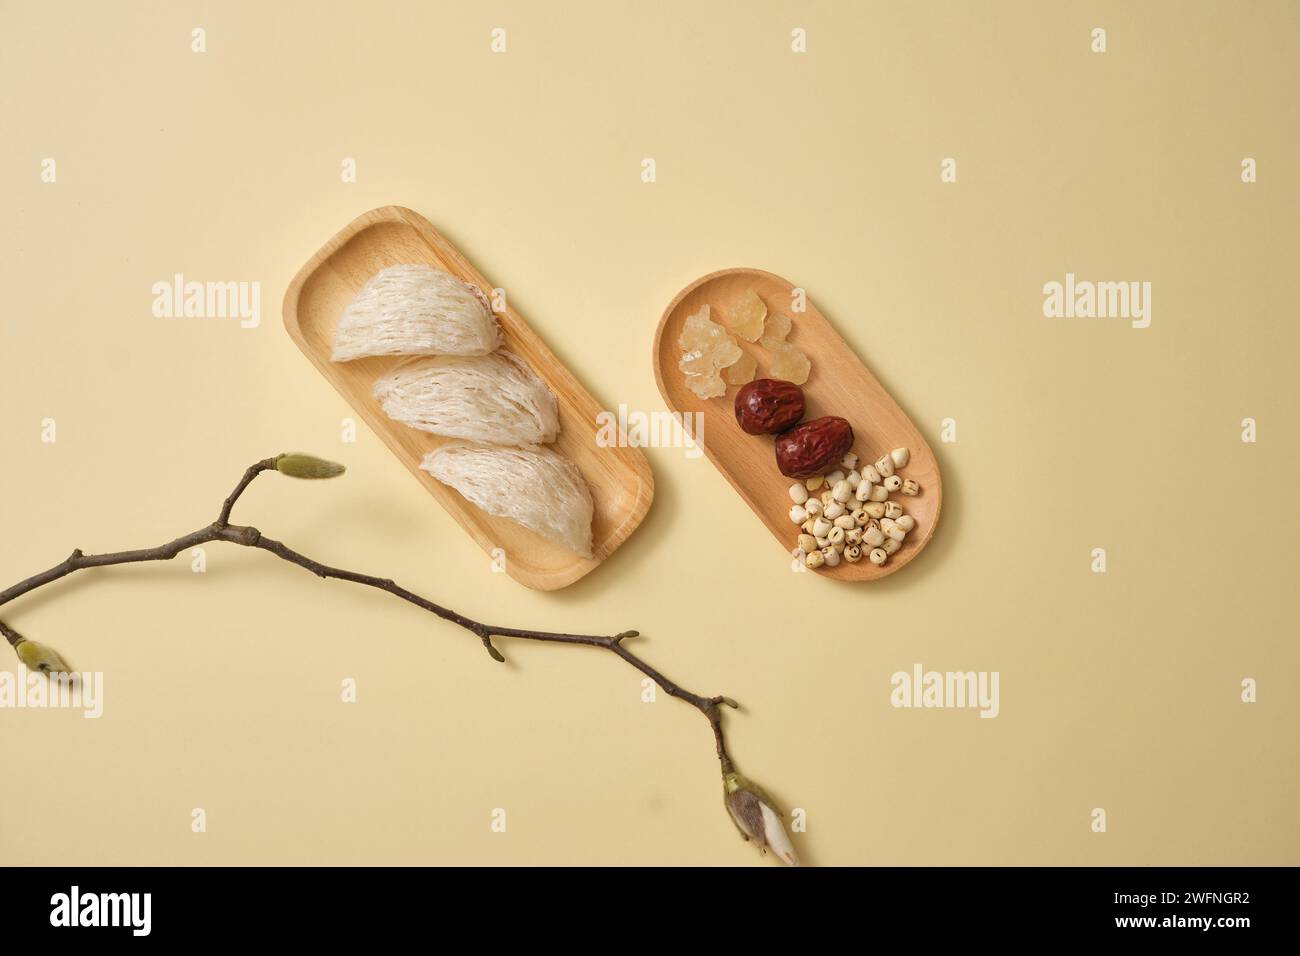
<point x="1118" y="691"/>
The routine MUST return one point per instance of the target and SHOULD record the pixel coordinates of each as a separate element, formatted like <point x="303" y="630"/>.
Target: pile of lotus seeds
<point x="853" y="513"/>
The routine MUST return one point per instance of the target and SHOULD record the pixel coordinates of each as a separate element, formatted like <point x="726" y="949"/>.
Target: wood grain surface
<point x="839" y="385"/>
<point x="621" y="482"/>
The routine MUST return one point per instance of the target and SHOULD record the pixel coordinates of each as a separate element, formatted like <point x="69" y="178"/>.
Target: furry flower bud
<point x="40" y="657"/>
<point x="756" y="816"/>
<point x="307" y="466"/>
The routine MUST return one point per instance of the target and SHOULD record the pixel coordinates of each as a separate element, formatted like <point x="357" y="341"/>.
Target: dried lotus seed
<point x="885" y="466"/>
<point x="842" y="492"/>
<point x="813" y="483"/>
<point x="893" y="509"/>
<point x="893" y="483"/>
<point x="878" y="556"/>
<point x="797" y="514"/>
<point x="836" y="536"/>
<point x="832" y="557"/>
<point x="906" y="522"/>
<point x="798" y="493"/>
<point x="899" y="457"/>
<point x="849" y="461"/>
<point x="833" y="510"/>
<point x="879" y="493"/>
<point x="874" y="509"/>
<point x="807" y="543"/>
<point x="815" y="559"/>
<point x="845" y="522"/>
<point x="853" y="554"/>
<point x="891" y="545"/>
<point x="910" y="487"/>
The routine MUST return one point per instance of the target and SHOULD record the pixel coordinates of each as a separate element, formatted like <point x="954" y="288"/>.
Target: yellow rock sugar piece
<point x="743" y="372"/>
<point x="696" y="363"/>
<point x="790" y="364"/>
<point x="747" y="316"/>
<point x="707" y="348"/>
<point x="700" y="333"/>
<point x="727" y="353"/>
<point x="776" y="330"/>
<point x="707" y="386"/>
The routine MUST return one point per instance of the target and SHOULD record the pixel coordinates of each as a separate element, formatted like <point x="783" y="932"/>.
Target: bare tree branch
<point x="222" y="530"/>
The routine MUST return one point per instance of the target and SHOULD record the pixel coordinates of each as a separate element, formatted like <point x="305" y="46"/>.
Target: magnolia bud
<point x="39" y="657"/>
<point x="756" y="816"/>
<point x="307" y="466"/>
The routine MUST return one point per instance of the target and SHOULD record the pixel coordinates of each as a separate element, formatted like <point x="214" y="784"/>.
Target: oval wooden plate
<point x="621" y="482"/>
<point x="839" y="385"/>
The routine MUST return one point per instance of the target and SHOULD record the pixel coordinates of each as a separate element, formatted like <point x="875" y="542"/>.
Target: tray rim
<point x="864" y="571"/>
<point x="638" y="465"/>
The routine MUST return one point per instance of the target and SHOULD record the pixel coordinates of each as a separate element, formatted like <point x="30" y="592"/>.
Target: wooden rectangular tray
<point x="622" y="484"/>
<point x="839" y="385"/>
